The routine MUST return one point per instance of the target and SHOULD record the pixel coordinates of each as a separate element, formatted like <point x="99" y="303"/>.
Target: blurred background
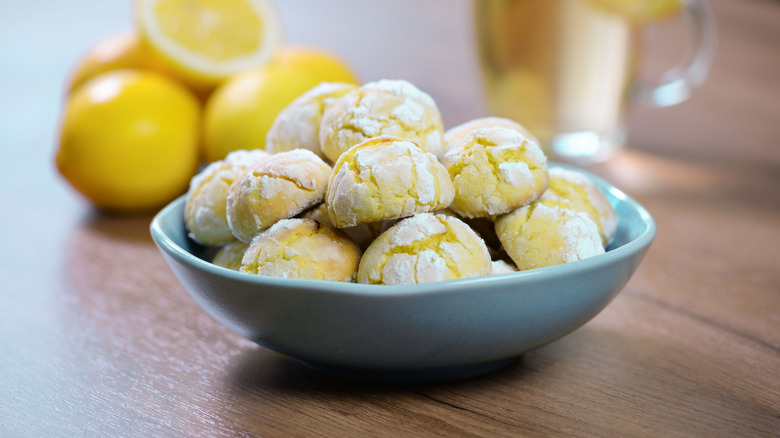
<point x="41" y="41"/>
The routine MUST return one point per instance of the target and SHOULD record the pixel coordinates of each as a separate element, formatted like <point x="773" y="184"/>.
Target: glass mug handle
<point x="677" y="83"/>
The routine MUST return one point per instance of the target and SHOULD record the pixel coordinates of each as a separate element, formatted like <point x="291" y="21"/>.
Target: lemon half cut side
<point x="208" y="40"/>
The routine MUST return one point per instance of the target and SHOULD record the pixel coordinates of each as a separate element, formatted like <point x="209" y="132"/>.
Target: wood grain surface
<point x="98" y="338"/>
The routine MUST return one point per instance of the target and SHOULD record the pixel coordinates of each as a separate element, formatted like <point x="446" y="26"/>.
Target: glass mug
<point x="565" y="69"/>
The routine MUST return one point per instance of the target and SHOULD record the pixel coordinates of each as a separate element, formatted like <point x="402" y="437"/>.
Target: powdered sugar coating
<point x="385" y="107"/>
<point x="298" y="125"/>
<point x="458" y="133"/>
<point x="502" y="267"/>
<point x="416" y="228"/>
<point x="362" y="234"/>
<point x="205" y="213"/>
<point x="495" y="170"/>
<point x="586" y="197"/>
<point x="302" y="248"/>
<point x="548" y="232"/>
<point x="386" y="178"/>
<point x="277" y="188"/>
<point x="426" y="267"/>
<point x="401" y="88"/>
<point x="424" y="248"/>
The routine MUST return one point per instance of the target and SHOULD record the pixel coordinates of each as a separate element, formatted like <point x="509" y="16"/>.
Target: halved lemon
<point x="641" y="11"/>
<point x="206" y="41"/>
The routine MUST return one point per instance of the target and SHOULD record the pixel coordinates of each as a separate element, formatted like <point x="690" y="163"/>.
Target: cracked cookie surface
<point x="458" y="133"/>
<point x="205" y="214"/>
<point x="386" y="178"/>
<point x="586" y="197"/>
<point x="278" y="188"/>
<point x="302" y="248"/>
<point x="298" y="125"/>
<point x="385" y="107"/>
<point x="495" y="170"/>
<point x="425" y="248"/>
<point x="548" y="232"/>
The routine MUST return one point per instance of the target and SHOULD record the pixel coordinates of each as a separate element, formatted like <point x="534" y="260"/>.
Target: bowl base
<point x="437" y="374"/>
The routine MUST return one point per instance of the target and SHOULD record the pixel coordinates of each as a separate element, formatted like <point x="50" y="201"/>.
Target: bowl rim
<point x="166" y="243"/>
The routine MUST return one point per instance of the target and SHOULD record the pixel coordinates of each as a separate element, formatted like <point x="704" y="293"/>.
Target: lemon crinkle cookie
<point x="502" y="267"/>
<point x="386" y="178"/>
<point x="205" y="213"/>
<point x="302" y="248"/>
<point x="586" y="197"/>
<point x="458" y="133"/>
<point x="298" y="125"/>
<point x="230" y="255"/>
<point x="424" y="248"/>
<point x="362" y="234"/>
<point x="548" y="232"/>
<point x="279" y="187"/>
<point x="495" y="170"/>
<point x="385" y="107"/>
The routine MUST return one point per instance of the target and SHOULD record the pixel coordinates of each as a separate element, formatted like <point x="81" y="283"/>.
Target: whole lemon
<point x="116" y="52"/>
<point x="129" y="140"/>
<point x="240" y="112"/>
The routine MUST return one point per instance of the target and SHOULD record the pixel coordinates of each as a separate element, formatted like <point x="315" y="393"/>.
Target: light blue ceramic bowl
<point x="436" y="331"/>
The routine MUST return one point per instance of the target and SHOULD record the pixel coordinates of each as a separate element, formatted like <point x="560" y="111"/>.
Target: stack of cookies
<point x="363" y="184"/>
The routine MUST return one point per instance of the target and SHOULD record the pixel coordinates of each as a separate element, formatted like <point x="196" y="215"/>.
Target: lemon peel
<point x="206" y="41"/>
<point x="240" y="113"/>
<point x="121" y="51"/>
<point x="129" y="140"/>
<point x="640" y="11"/>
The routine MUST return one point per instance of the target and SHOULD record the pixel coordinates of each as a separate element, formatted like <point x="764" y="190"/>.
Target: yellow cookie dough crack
<point x="280" y="177"/>
<point x="359" y="174"/>
<point x="284" y="254"/>
<point x="470" y="162"/>
<point x="495" y="170"/>
<point x="377" y="196"/>
<point x="302" y="248"/>
<point x="511" y="231"/>
<point x="548" y="232"/>
<point x="387" y="126"/>
<point x="430" y="242"/>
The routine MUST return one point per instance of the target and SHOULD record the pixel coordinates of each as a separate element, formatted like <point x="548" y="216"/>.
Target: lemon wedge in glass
<point x="640" y="11"/>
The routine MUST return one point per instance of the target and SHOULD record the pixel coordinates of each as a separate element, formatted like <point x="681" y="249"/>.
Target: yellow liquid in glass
<point x="561" y="68"/>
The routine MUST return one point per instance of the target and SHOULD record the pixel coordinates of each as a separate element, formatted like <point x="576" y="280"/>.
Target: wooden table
<point x="97" y="338"/>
